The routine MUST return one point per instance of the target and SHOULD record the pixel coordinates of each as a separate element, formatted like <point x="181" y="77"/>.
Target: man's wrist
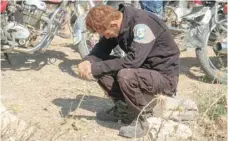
<point x="89" y="58"/>
<point x="96" y="69"/>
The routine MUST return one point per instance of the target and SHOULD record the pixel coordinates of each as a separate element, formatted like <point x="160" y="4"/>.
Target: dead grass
<point x="212" y="104"/>
<point x="15" y="129"/>
<point x="160" y="100"/>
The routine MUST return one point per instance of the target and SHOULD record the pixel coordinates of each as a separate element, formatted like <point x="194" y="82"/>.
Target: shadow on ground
<point x="89" y="103"/>
<point x="36" y="61"/>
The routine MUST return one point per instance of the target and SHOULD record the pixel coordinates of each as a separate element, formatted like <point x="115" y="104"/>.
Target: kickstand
<point x="7" y="58"/>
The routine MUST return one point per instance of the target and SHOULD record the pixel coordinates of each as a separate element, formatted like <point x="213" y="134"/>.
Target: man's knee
<point x="123" y="74"/>
<point x="126" y="77"/>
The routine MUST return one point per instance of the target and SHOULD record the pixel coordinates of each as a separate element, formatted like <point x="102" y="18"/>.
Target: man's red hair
<point x="100" y="17"/>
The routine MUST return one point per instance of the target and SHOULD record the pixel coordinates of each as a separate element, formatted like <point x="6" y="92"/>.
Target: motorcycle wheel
<point x="87" y="43"/>
<point x="90" y="39"/>
<point x="214" y="67"/>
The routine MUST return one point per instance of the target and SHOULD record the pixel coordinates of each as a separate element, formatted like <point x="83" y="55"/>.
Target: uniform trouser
<point x="137" y="86"/>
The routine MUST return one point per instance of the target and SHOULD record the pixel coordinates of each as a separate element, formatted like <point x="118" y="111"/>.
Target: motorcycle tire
<point x="83" y="47"/>
<point x="203" y="56"/>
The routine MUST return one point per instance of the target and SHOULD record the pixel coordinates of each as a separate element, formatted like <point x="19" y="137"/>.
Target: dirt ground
<point x="42" y="89"/>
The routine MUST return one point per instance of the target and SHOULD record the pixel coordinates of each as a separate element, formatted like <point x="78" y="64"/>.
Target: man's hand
<point x="84" y="69"/>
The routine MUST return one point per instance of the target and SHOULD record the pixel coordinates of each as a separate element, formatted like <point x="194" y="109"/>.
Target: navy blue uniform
<point x="151" y="64"/>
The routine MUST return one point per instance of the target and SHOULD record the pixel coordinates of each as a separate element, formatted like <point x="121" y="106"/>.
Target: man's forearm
<point x="92" y="59"/>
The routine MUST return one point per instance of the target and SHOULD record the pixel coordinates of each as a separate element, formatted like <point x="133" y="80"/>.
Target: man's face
<point x="110" y="33"/>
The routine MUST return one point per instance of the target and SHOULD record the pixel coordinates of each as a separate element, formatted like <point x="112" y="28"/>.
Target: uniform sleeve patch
<point x="143" y="34"/>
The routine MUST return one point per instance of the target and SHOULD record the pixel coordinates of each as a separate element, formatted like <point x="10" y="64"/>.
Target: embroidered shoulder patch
<point x="143" y="34"/>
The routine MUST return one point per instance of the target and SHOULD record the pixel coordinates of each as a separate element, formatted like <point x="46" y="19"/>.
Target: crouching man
<point x="150" y="67"/>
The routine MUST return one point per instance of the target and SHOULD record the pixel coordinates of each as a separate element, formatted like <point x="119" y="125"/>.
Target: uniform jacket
<point x="147" y="42"/>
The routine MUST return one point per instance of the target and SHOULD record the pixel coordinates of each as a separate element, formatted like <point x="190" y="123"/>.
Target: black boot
<point x="138" y="131"/>
<point x="119" y="112"/>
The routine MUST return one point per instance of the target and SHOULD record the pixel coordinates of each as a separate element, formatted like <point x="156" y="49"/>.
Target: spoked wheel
<point x="213" y="55"/>
<point x="42" y="35"/>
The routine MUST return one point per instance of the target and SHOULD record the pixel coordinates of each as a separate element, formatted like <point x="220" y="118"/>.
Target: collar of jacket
<point x="127" y="18"/>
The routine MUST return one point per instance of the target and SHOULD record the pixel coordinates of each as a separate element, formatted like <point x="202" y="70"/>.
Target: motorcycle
<point x="202" y="23"/>
<point x="27" y="26"/>
<point x="204" y="27"/>
<point x="208" y="35"/>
